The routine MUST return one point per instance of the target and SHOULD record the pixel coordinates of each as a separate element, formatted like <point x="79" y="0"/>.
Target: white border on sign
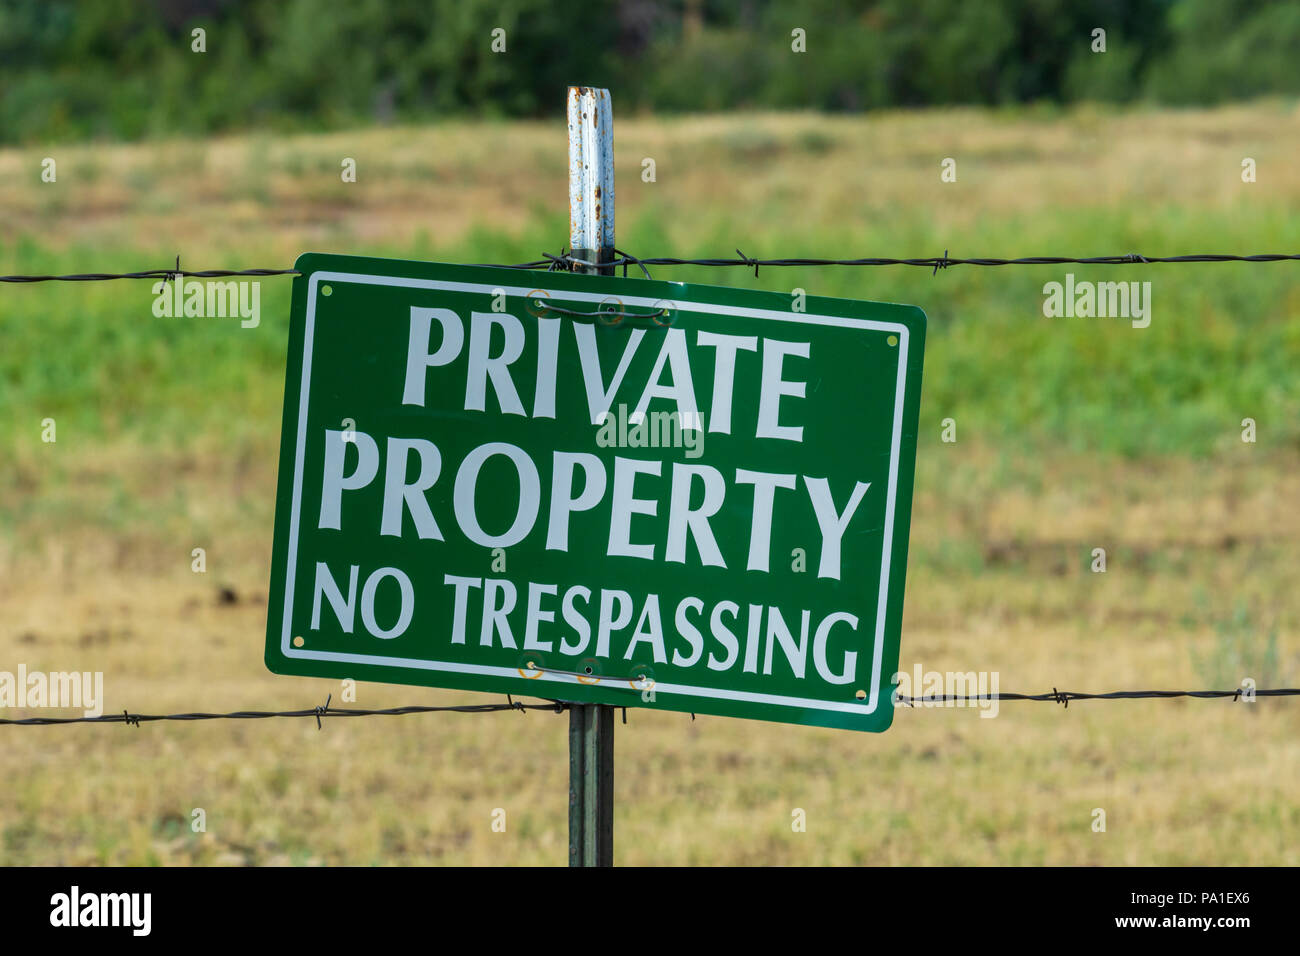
<point x="634" y="301"/>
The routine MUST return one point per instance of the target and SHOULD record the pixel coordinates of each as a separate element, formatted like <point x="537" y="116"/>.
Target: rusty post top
<point x="591" y="173"/>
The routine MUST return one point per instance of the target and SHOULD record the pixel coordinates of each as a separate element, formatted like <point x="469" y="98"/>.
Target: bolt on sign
<point x="595" y="489"/>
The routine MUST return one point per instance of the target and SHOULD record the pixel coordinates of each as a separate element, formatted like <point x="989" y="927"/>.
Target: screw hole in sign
<point x="892" y="340"/>
<point x="536" y="306"/>
<point x="298" y="641"/>
<point x="610" y="312"/>
<point x="861" y="694"/>
<point x="665" y="311"/>
<point x="326" y="290"/>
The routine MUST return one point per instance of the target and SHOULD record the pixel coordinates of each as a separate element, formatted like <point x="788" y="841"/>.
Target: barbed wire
<point x="126" y="717"/>
<point x="165" y="274"/>
<point x="1062" y="697"/>
<point x="934" y="263"/>
<point x="567" y="262"/>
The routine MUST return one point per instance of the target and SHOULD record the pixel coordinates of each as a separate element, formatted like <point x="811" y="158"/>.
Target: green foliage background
<point x="125" y="69"/>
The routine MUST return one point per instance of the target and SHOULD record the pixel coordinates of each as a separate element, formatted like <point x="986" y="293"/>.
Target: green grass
<point x="1221" y="345"/>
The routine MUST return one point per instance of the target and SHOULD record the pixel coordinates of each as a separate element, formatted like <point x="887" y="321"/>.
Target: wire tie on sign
<point x="321" y="711"/>
<point x="625" y="716"/>
<point x="609" y="313"/>
<point x="628" y="257"/>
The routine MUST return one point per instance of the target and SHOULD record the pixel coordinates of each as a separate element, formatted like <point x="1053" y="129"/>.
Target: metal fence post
<point x="591" y="237"/>
<point x="591" y="176"/>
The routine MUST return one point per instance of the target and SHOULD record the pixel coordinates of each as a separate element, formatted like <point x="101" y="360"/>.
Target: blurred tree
<point x="1228" y="49"/>
<point x="124" y="68"/>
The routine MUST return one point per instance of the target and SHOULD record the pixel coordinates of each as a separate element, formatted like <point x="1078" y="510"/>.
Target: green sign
<point x="593" y="489"/>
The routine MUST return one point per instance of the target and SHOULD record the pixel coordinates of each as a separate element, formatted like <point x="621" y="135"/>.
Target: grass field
<point x="1073" y="434"/>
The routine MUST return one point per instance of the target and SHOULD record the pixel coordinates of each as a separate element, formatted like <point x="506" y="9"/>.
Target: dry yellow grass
<point x="1181" y="782"/>
<point x="284" y="194"/>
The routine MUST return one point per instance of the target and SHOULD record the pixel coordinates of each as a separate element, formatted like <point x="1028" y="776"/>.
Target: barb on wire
<point x="567" y="262"/>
